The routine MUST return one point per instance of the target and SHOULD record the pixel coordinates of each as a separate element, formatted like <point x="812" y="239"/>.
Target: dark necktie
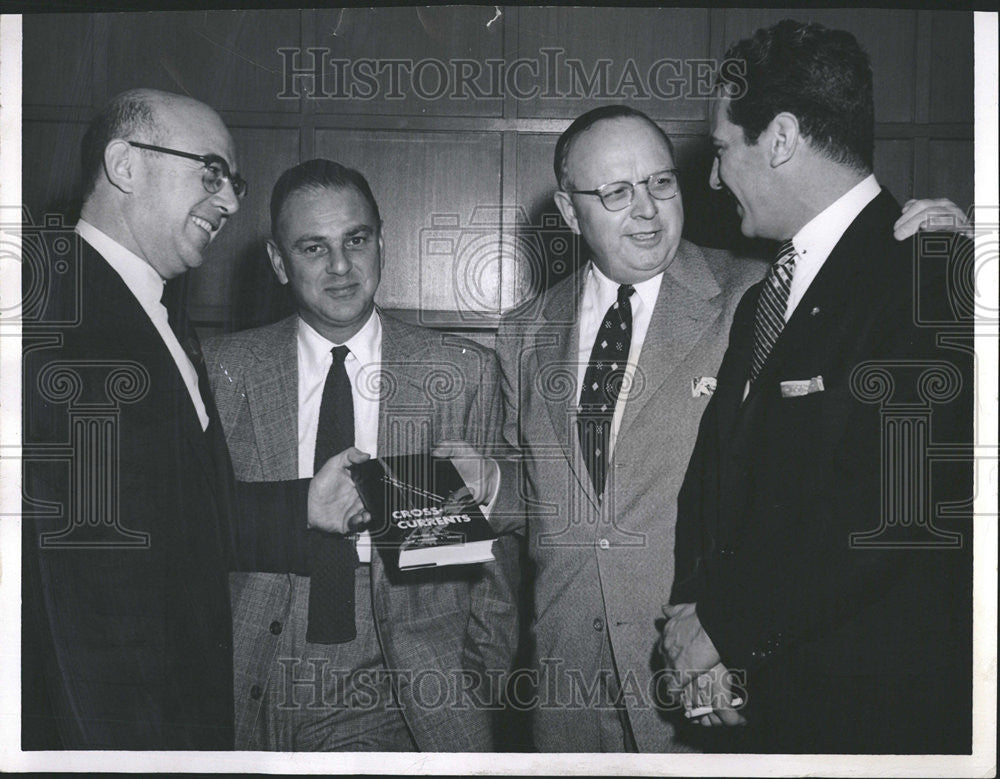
<point x="771" y="305"/>
<point x="602" y="382"/>
<point x="172" y="300"/>
<point x="333" y="558"/>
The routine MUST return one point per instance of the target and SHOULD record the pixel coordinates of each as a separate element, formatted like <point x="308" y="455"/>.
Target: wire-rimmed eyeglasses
<point x="617" y="195"/>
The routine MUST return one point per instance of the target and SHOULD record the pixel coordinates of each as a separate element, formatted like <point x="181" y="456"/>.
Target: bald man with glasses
<point x="130" y="529"/>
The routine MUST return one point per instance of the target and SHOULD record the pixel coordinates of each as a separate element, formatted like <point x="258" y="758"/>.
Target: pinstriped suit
<point x="434" y="387"/>
<point x="604" y="569"/>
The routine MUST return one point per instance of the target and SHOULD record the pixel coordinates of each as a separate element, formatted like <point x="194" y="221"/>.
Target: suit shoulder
<point x="433" y="340"/>
<point x="734" y="273"/>
<point x="237" y="349"/>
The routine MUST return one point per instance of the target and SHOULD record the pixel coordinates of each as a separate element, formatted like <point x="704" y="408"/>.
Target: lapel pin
<point x="814" y="311"/>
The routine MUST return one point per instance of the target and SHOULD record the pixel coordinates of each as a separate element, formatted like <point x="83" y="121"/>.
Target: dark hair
<point x="585" y="122"/>
<point x="318" y="174"/>
<point x="125" y="116"/>
<point x="821" y="76"/>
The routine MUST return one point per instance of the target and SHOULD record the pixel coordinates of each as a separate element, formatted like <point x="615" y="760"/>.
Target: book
<point x="423" y="514"/>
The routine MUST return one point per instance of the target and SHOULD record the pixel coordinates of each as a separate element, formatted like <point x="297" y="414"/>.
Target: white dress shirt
<point x="362" y="366"/>
<point x="146" y="285"/>
<point x="814" y="242"/>
<point x="816" y="239"/>
<point x="599" y="292"/>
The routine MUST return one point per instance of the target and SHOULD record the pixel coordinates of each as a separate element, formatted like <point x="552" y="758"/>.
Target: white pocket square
<point x="702" y="385"/>
<point x="795" y="389"/>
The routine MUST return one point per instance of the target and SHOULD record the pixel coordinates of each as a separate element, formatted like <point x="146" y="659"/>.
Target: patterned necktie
<point x="771" y="306"/>
<point x="333" y="558"/>
<point x="601" y="384"/>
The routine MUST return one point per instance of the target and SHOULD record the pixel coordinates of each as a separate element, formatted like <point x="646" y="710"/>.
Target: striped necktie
<point x="771" y="306"/>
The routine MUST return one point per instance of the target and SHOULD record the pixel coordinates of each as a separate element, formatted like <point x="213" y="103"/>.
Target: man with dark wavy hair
<point x="807" y="555"/>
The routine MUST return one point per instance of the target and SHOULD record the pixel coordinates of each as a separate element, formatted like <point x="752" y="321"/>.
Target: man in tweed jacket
<point x="431" y="646"/>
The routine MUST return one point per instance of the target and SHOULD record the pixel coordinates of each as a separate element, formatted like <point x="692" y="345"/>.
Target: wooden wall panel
<point x="235" y="272"/>
<point x="950" y="163"/>
<point x="426" y="41"/>
<point x="58" y="59"/>
<point x="894" y="167"/>
<point x="642" y="36"/>
<point x="446" y="156"/>
<point x="227" y="59"/>
<point x="420" y="179"/>
<point x="51" y="179"/>
<point x="888" y="37"/>
<point x="951" y="67"/>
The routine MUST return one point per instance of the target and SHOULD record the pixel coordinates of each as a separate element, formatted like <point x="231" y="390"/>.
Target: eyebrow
<point x="351" y="232"/>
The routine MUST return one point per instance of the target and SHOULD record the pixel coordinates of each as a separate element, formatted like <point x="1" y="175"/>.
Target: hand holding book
<point x="481" y="474"/>
<point x="334" y="503"/>
<point x="423" y="512"/>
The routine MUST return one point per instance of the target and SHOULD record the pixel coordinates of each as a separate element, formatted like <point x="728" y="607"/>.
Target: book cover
<point x="423" y="513"/>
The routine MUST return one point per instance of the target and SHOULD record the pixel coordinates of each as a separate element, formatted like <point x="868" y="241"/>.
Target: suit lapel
<point x="837" y="281"/>
<point x="133" y="326"/>
<point x="687" y="304"/>
<point x="556" y="359"/>
<point x="272" y="393"/>
<point x="401" y="389"/>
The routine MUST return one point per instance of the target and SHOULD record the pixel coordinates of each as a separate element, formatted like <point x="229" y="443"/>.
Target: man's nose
<point x="713" y="178"/>
<point x="642" y="203"/>
<point x="338" y="264"/>
<point x="226" y="200"/>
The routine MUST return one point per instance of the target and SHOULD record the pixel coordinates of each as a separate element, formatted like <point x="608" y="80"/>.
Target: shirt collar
<point x="819" y="235"/>
<point x="607" y="290"/>
<point x="139" y="276"/>
<point x="364" y="344"/>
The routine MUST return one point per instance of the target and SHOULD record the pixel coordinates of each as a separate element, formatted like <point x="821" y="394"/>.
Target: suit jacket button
<point x="604" y="543"/>
<point x="598" y="624"/>
<point x="275" y="627"/>
<point x="255" y="692"/>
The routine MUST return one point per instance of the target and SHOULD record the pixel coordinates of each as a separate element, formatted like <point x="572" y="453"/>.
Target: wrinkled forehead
<point x="615" y="147"/>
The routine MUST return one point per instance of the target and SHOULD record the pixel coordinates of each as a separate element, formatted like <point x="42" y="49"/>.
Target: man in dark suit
<point x="269" y="384"/>
<point x="809" y="555"/>
<point x="129" y="537"/>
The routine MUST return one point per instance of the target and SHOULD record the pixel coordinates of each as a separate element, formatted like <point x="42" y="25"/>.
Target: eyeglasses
<point x="661" y="185"/>
<point x="216" y="172"/>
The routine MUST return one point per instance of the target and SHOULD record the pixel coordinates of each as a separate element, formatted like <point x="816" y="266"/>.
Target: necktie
<point x="770" y="320"/>
<point x="333" y="558"/>
<point x="172" y="300"/>
<point x="602" y="382"/>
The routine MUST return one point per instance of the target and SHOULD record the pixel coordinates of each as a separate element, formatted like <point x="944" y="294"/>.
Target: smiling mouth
<point x="647" y="237"/>
<point x="204" y="224"/>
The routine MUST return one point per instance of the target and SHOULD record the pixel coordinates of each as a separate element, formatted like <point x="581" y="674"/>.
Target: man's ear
<point x="381" y="249"/>
<point x="119" y="165"/>
<point x="565" y="205"/>
<point x="783" y="133"/>
<point x="277" y="262"/>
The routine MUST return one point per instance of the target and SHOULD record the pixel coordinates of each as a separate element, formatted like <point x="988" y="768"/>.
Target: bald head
<point x="137" y="114"/>
<point x="164" y="204"/>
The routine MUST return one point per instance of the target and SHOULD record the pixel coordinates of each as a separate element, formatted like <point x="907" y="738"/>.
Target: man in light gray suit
<point x="606" y="432"/>
<point x="431" y="646"/>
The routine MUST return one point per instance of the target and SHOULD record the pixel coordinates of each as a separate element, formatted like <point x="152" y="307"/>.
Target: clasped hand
<point x="702" y="680"/>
